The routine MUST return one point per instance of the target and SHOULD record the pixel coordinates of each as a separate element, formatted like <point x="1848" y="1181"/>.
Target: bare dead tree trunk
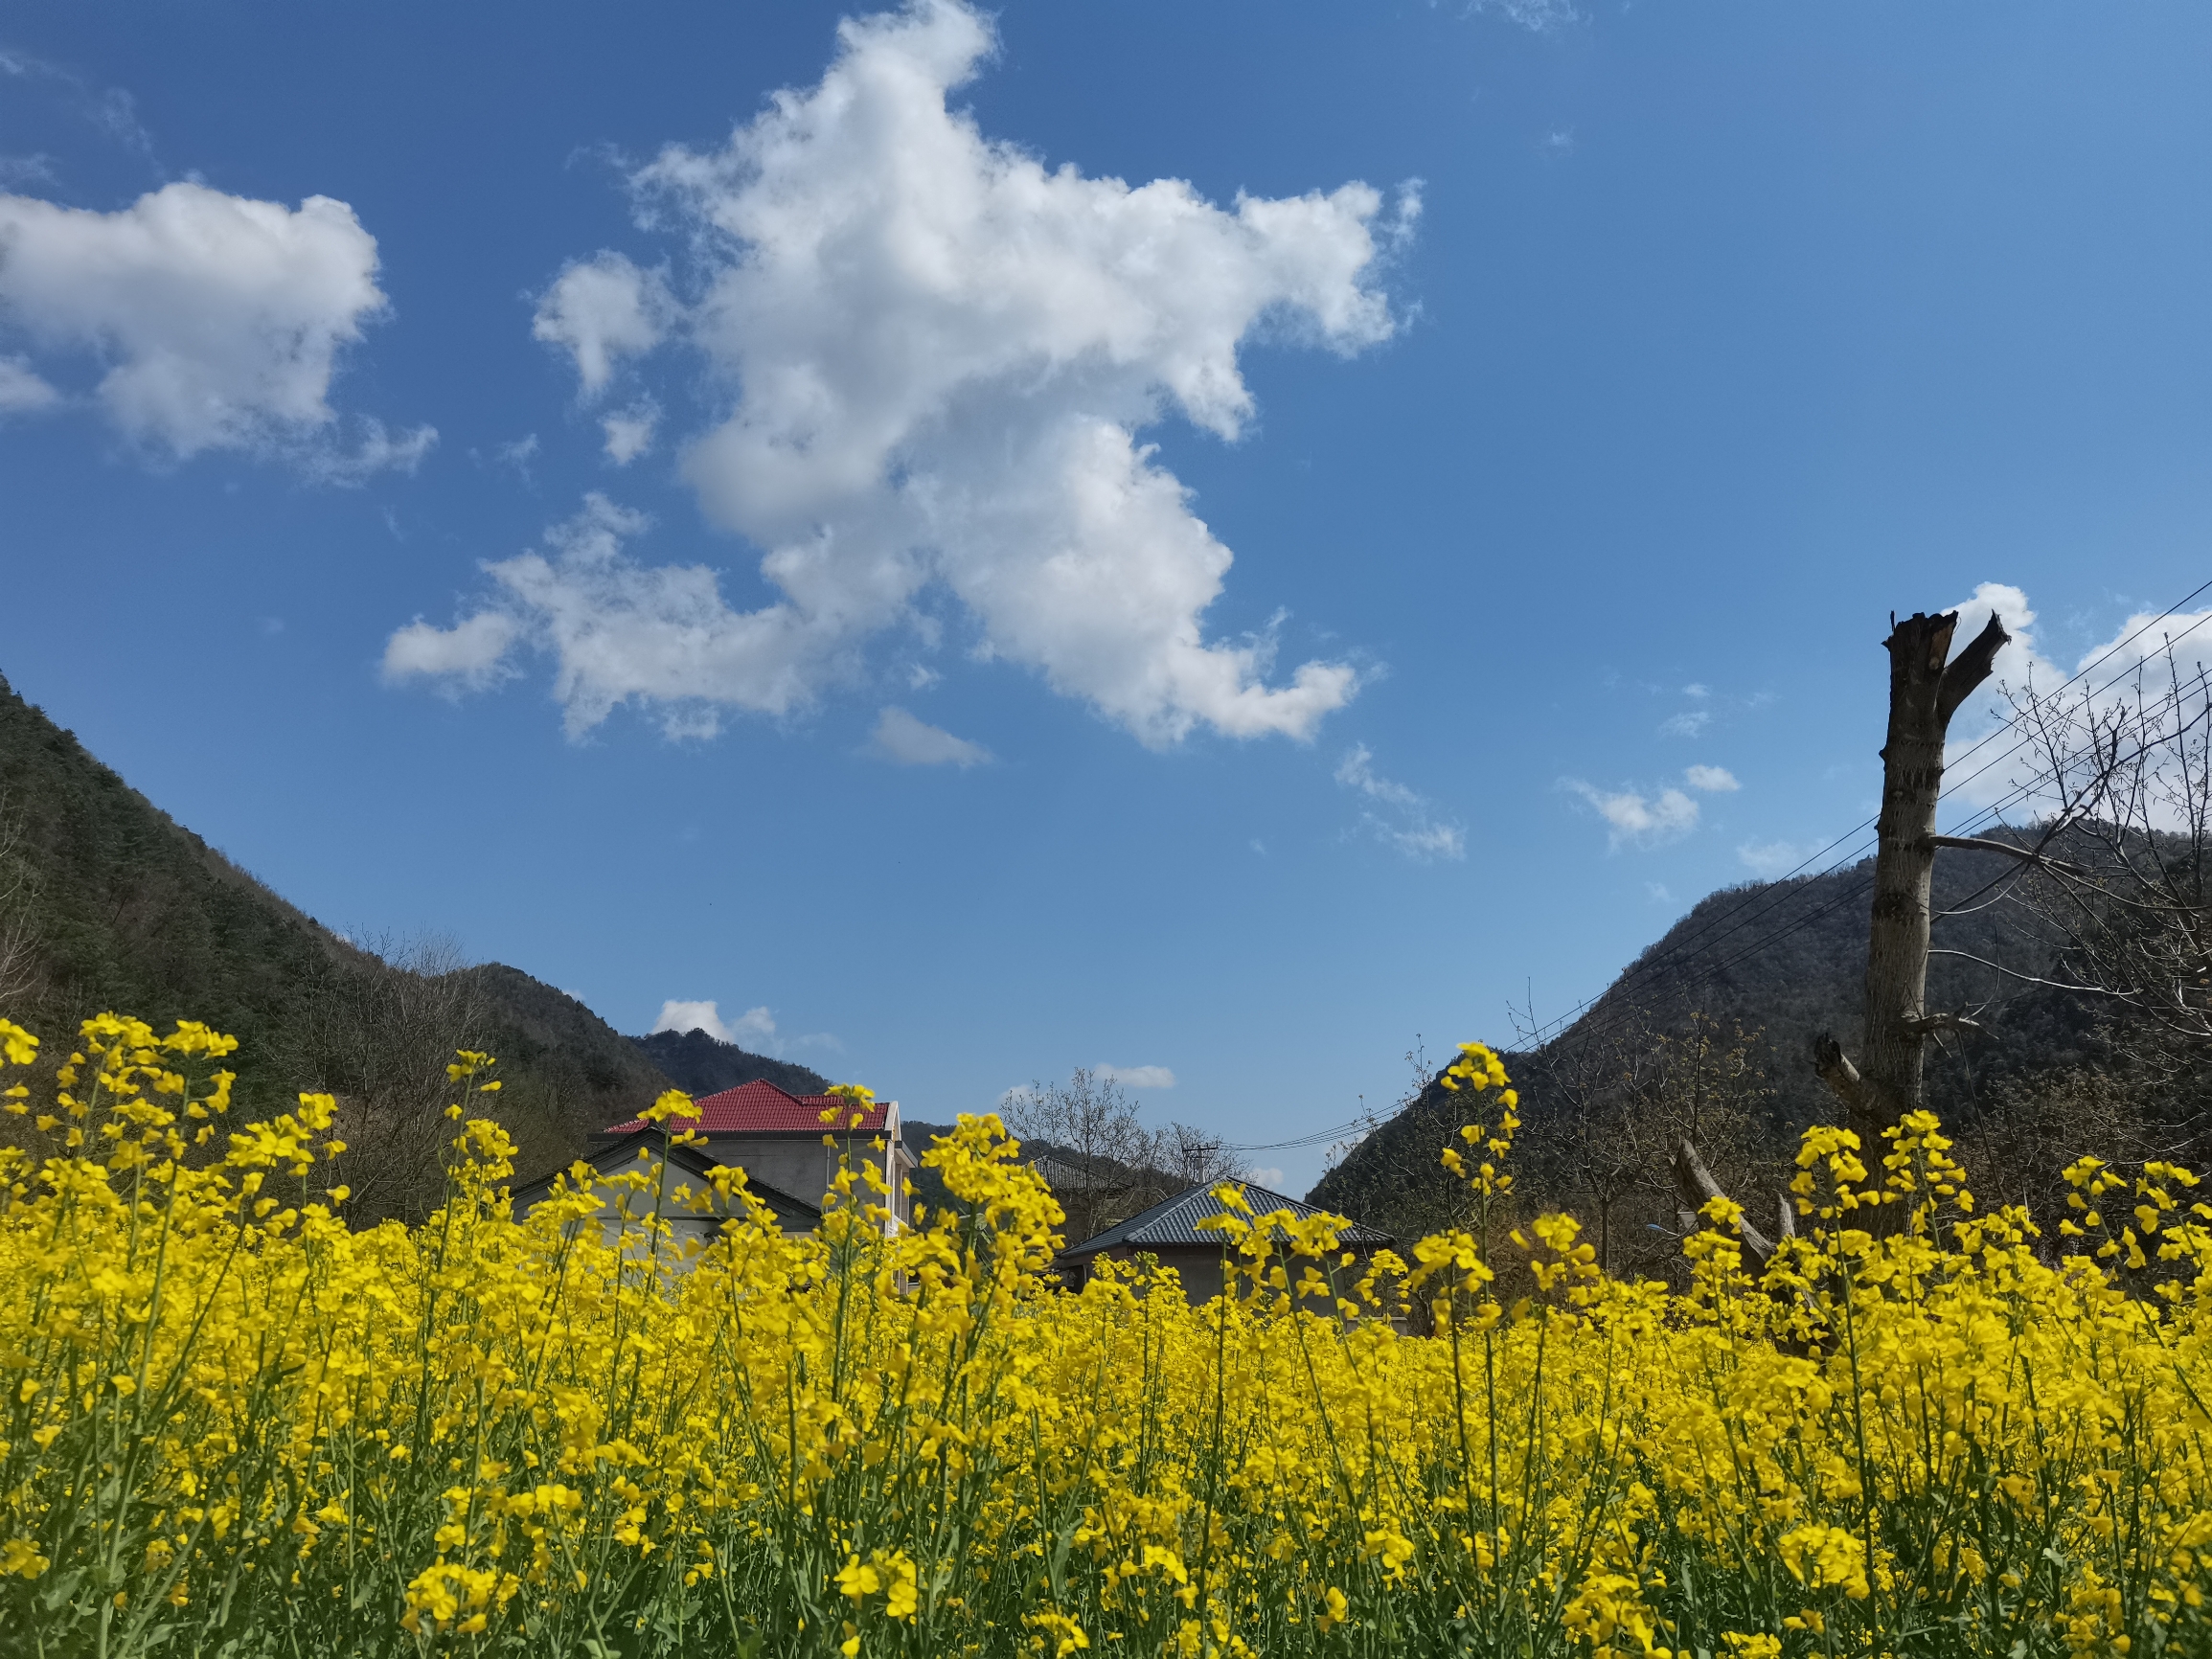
<point x="1926" y="689"/>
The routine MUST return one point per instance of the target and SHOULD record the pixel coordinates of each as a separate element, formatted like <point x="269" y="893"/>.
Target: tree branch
<point x="1840" y="1075"/>
<point x="1924" y="1024"/>
<point x="2031" y="978"/>
<point x="2026" y="855"/>
<point x="1698" y="1187"/>
<point x="1970" y="668"/>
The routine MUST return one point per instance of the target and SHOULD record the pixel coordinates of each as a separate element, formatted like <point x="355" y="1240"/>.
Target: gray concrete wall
<point x="801" y="1165"/>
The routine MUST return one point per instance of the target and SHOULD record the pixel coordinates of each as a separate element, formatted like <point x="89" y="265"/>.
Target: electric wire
<point x="1779" y="890"/>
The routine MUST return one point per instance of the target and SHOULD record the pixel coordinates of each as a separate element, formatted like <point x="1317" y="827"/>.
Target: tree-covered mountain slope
<point x="1719" y="1017"/>
<point x="108" y="903"/>
<point x="700" y="1064"/>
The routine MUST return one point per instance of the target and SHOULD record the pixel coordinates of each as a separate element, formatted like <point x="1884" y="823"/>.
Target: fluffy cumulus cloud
<point x="620" y="630"/>
<point x="1395" y="815"/>
<point x="601" y="310"/>
<point x="939" y="357"/>
<point x="630" y="433"/>
<point x="900" y="737"/>
<point x="470" y="654"/>
<point x="1712" y="780"/>
<point x="1136" y="1077"/>
<point x="219" y="321"/>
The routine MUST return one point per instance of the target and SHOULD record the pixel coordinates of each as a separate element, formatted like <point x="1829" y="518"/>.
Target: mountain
<point x="109" y="903"/>
<point x="700" y="1064"/>
<point x="1757" y="972"/>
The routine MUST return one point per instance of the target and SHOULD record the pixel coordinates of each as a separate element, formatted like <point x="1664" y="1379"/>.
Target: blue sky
<point x="409" y="544"/>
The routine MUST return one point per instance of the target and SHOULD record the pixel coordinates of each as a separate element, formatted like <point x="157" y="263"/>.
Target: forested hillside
<point x="107" y="902"/>
<point x="1712" y="1028"/>
<point x="700" y="1064"/>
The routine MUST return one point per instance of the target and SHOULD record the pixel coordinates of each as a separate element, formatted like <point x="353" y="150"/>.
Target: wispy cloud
<point x="1773" y="859"/>
<point x="1136" y="1077"/>
<point x="1689" y="723"/>
<point x="914" y="742"/>
<point x="1399" y="817"/>
<point x="1712" y="780"/>
<point x="1636" y="819"/>
<point x="754" y="1029"/>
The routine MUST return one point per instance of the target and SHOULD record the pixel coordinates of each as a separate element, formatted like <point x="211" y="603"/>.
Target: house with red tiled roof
<point x="777" y="1138"/>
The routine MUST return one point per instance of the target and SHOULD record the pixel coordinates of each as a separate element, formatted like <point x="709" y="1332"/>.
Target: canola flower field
<point x="231" y="1425"/>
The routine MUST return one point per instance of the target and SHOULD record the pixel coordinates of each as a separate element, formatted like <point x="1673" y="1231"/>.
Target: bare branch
<point x="2031" y="978"/>
<point x="1698" y="1189"/>
<point x="2026" y="855"/>
<point x="1838" y="1073"/>
<point x="1927" y="1024"/>
<point x="1970" y="668"/>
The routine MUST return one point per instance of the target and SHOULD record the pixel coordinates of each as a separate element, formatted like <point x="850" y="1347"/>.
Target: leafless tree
<point x="2118" y="867"/>
<point x="1619" y="1106"/>
<point x="18" y="931"/>
<point x="381" y="1043"/>
<point x="1105" y="1165"/>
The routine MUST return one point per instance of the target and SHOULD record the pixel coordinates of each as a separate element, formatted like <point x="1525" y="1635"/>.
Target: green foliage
<point x="111" y="904"/>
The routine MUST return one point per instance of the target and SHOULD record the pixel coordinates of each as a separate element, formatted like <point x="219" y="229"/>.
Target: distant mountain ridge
<point x="700" y="1064"/>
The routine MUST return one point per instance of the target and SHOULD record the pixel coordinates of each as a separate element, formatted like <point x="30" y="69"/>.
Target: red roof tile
<point x="760" y="1107"/>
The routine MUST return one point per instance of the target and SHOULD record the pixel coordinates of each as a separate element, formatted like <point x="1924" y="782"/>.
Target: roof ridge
<point x="1166" y="1210"/>
<point x="749" y="1082"/>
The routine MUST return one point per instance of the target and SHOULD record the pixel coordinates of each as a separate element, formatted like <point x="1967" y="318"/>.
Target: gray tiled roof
<point x="1175" y="1220"/>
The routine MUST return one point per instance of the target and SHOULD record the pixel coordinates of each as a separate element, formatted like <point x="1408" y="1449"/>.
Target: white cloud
<point x="469" y="655"/>
<point x="1267" y="1176"/>
<point x="619" y="630"/>
<point x="220" y="319"/>
<point x="371" y="451"/>
<point x="939" y="357"/>
<point x="518" y="454"/>
<point x="1637" y="819"/>
<point x="1689" y="723"/>
<point x="630" y="433"/>
<point x="1136" y="1077"/>
<point x="2137" y="651"/>
<point x="1537" y="15"/>
<point x="22" y="389"/>
<point x="602" y="309"/>
<point x="1775" y="859"/>
<point x="1410" y="824"/>
<point x="900" y="736"/>
<point x="1695" y="690"/>
<point x="754" y="1029"/>
<point x="1712" y="780"/>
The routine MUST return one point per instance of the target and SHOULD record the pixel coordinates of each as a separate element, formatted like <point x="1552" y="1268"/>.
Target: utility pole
<point x="1927" y="686"/>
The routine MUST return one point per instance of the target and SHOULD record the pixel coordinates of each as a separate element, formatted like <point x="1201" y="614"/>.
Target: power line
<point x="1991" y="813"/>
<point x="1754" y="905"/>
